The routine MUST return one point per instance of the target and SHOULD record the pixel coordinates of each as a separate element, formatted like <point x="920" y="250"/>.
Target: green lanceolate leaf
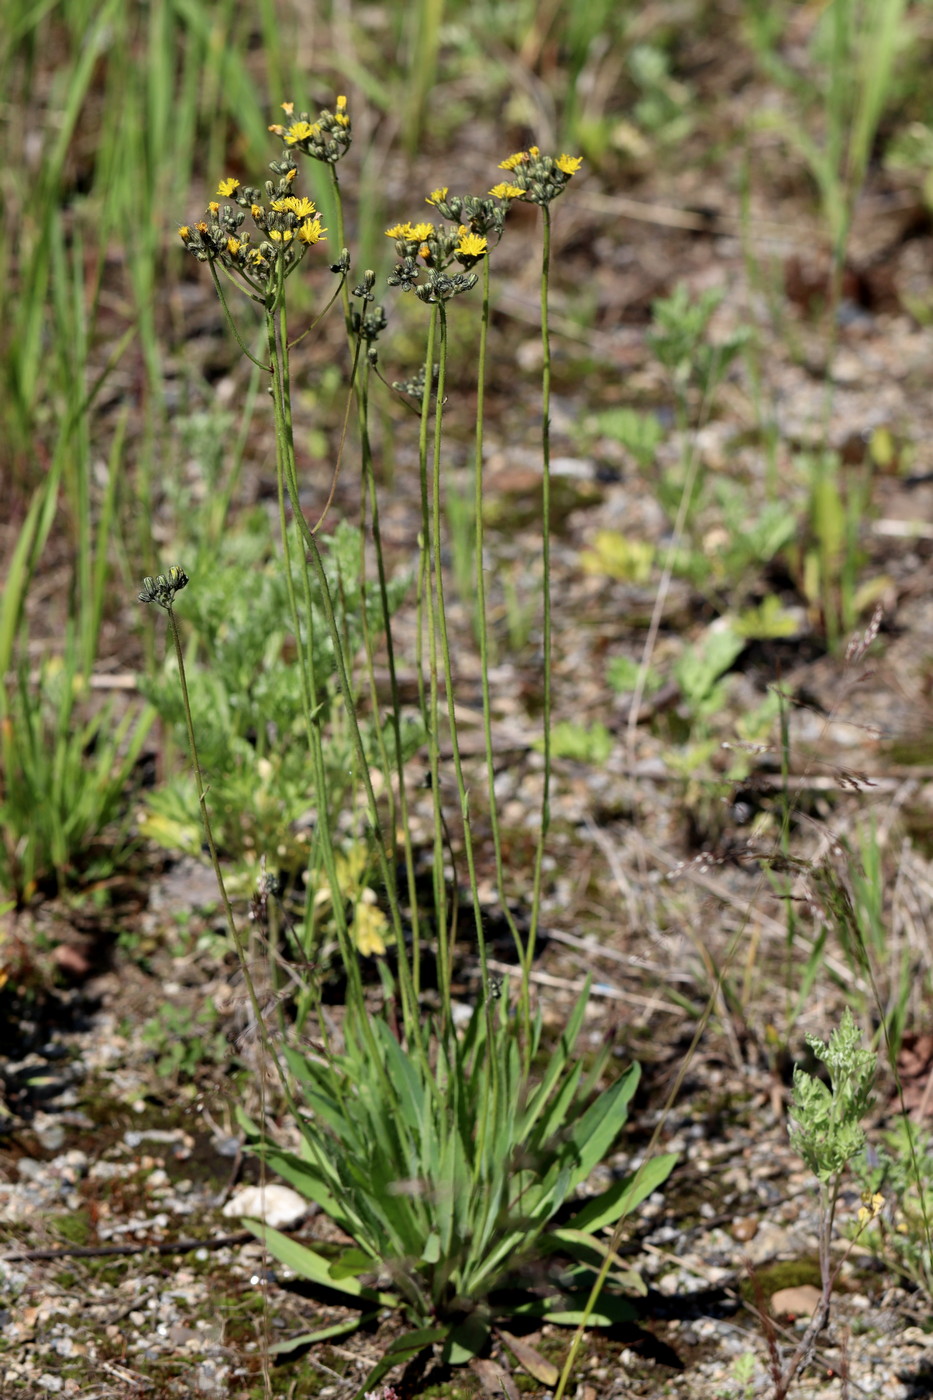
<point x="323" y="1334"/>
<point x="623" y="1196"/>
<point x="594" y="1133"/>
<point x="307" y="1263"/>
<point x="402" y="1349"/>
<point x="569" y="1310"/>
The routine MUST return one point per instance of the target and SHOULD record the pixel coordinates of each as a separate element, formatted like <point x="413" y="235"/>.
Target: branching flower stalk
<point x="162" y="591"/>
<point x="366" y="325"/>
<point x="290" y="226"/>
<point x="485" y="218"/>
<point x="474" y="220"/>
<point x="539" y="179"/>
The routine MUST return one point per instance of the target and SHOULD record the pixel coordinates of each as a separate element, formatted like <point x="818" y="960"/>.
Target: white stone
<point x="276" y="1205"/>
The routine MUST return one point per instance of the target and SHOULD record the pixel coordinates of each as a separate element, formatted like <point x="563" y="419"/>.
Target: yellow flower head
<point x="302" y="208"/>
<point x="256" y="210"/>
<point x="281" y="235"/>
<point x="213" y="207"/>
<point x="288" y="108"/>
<point x="233" y="246"/>
<point x="341" y="115"/>
<point x="412" y="233"/>
<point x="513" y="162"/>
<point x="471" y="245"/>
<point x="569" y="164"/>
<point x="226" y="187"/>
<point x="290" y="174"/>
<point x="184" y="233"/>
<point x="504" y="191"/>
<point x="300" y="131"/>
<point x="311" y="231"/>
<point x="201" y="226"/>
<point x="436" y="196"/>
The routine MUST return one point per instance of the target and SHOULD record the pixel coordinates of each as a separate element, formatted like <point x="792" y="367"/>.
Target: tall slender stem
<point x="546" y="644"/>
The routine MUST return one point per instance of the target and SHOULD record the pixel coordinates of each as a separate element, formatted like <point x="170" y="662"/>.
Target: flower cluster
<point x="162" y="590"/>
<point x="327" y="138"/>
<point x="369" y="323"/>
<point x="477" y="223"/>
<point x="288" y="225"/>
<point x="437" y="249"/>
<point x="485" y="218"/>
<point x="536" y="178"/>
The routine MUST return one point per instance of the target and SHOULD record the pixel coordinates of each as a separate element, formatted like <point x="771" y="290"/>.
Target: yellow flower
<point x="288" y="108"/>
<point x="256" y="257"/>
<point x="437" y="195"/>
<point x="281" y="236"/>
<point x="368" y="924"/>
<point x="290" y="174"/>
<point x="399" y="231"/>
<point x="226" y="187"/>
<point x="533" y="152"/>
<point x="276" y="128"/>
<point x="184" y="233"/>
<point x="299" y="131"/>
<point x="233" y="246"/>
<point x="302" y="208"/>
<point x="213" y="207"/>
<point x="471" y="245"/>
<point x="569" y="164"/>
<point x="419" y="232"/>
<point x="341" y="114"/>
<point x="311" y="231"/>
<point x="504" y="191"/>
<point x="513" y="162"/>
<point x="201" y="226"/>
<point x="256" y="210"/>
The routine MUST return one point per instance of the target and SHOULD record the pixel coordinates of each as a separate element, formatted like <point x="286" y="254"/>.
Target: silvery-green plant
<point x="826" y="1130"/>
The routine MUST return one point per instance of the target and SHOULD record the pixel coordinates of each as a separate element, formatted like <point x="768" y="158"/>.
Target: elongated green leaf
<point x="401" y="1350"/>
<point x="353" y="1262"/>
<point x="623" y="1196"/>
<point x="307" y="1263"/>
<point x="468" y="1338"/>
<point x="560" y="1110"/>
<point x="597" y="1130"/>
<point x="409" y="1085"/>
<point x="568" y="1310"/>
<point x="591" y="1251"/>
<point x="336" y="1329"/>
<point x="556" y="1065"/>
